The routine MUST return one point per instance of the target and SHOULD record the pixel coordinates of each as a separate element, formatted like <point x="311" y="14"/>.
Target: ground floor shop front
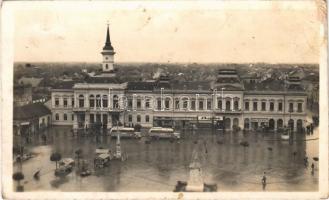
<point x="231" y="121"/>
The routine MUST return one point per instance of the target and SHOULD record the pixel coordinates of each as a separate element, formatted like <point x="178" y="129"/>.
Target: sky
<point x="187" y="32"/>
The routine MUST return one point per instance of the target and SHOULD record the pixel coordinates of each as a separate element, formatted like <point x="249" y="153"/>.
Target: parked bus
<point x="163" y="133"/>
<point x="125" y="132"/>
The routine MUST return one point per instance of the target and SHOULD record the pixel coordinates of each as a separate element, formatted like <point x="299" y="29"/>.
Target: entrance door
<point x="227" y="123"/>
<point x="271" y="124"/>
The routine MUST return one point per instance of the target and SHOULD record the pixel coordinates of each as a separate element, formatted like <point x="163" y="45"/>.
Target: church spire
<point x="108" y="45"/>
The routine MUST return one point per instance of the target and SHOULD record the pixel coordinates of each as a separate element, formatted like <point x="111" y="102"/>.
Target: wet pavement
<point x="159" y="165"/>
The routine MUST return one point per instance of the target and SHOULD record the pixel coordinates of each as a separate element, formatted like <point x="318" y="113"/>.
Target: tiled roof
<point x="140" y="85"/>
<point x="102" y="80"/>
<point x="267" y="85"/>
<point x="30" y="111"/>
<point x="191" y="85"/>
<point x="64" y="85"/>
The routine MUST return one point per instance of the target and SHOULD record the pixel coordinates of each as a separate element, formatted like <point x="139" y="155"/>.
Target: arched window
<point x="56" y="101"/>
<point x="130" y="118"/>
<point x="57" y="116"/>
<point x="271" y="106"/>
<point x="159" y="103"/>
<point x="177" y="103"/>
<point x="220" y="104"/>
<point x="98" y="101"/>
<point x="236" y="105"/>
<point x="106" y="65"/>
<point x="65" y="117"/>
<point x="65" y="101"/>
<point x="228" y="105"/>
<point x="167" y="103"/>
<point x="138" y="118"/>
<point x="91" y="101"/>
<point x="105" y="101"/>
<point x="81" y="101"/>
<point x="115" y="101"/>
<point x="147" y="103"/>
<point x="147" y="118"/>
<point x="185" y="103"/>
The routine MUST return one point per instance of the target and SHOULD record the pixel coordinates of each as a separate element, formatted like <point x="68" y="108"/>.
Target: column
<point x="232" y="104"/>
<point x="196" y="103"/>
<point x="214" y="102"/>
<point x="223" y="104"/>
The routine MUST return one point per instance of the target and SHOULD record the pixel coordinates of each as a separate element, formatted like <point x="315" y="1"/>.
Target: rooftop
<point x="30" y="111"/>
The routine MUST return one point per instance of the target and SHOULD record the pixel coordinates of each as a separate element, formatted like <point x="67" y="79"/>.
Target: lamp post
<point x="213" y="109"/>
<point x="124" y="106"/>
<point x="223" y="108"/>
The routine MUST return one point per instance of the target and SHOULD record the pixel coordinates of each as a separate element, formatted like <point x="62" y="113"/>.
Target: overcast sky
<point x="274" y="32"/>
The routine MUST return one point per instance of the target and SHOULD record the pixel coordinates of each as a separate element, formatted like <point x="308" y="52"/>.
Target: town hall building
<point x="103" y="98"/>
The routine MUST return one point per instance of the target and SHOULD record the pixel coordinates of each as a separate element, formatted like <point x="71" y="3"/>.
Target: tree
<point x="18" y="176"/>
<point x="55" y="157"/>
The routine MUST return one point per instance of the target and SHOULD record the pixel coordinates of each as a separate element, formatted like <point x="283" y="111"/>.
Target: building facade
<point x="104" y="99"/>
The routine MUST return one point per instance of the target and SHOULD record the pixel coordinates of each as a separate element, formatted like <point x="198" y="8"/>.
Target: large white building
<point x="104" y="99"/>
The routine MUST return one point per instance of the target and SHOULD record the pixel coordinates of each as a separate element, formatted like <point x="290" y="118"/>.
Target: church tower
<point x="108" y="54"/>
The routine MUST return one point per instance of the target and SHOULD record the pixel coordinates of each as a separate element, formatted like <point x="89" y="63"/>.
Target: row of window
<point x="280" y="106"/>
<point x="65" y="117"/>
<point x="202" y="105"/>
<point x="138" y="118"/>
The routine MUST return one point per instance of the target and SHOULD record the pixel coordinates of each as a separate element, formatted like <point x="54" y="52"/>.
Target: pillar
<point x="223" y="104"/>
<point x="232" y="104"/>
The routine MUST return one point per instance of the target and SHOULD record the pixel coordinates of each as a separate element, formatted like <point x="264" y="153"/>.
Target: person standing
<point x="312" y="168"/>
<point x="264" y="180"/>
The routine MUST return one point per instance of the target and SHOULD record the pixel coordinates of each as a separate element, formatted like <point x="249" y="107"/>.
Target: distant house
<point x="34" y="82"/>
<point x="22" y="95"/>
<point x="31" y="118"/>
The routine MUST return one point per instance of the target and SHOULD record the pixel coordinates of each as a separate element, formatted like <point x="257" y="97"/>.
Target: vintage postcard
<point x="164" y="100"/>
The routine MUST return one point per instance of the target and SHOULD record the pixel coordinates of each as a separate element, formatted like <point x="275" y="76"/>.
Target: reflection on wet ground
<point x="159" y="165"/>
